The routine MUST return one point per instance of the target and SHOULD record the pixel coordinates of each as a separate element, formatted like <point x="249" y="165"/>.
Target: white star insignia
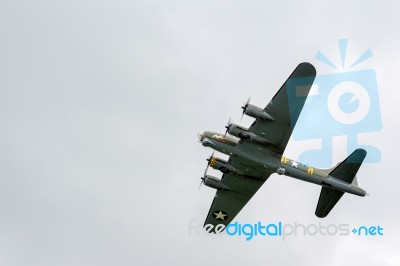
<point x="294" y="164"/>
<point x="220" y="215"/>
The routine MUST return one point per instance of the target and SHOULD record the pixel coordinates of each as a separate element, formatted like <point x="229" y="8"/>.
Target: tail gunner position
<point x="257" y="152"/>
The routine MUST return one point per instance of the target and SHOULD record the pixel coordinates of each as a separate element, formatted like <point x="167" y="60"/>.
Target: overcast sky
<point x="100" y="104"/>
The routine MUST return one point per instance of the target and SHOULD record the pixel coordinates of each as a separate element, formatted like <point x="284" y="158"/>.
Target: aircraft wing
<point x="285" y="107"/>
<point x="228" y="203"/>
<point x="285" y="112"/>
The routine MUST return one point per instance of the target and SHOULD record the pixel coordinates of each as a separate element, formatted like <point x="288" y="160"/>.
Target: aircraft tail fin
<point x="345" y="171"/>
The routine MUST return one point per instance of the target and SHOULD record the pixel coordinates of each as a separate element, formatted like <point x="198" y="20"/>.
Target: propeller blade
<point x="209" y="158"/>
<point x="208" y="164"/>
<point x="205" y="171"/>
<point x="228" y="126"/>
<point x="201" y="182"/>
<point x="244" y="107"/>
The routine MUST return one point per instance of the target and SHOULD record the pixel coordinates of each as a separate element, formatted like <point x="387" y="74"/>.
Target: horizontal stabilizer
<point x="347" y="169"/>
<point x="327" y="200"/>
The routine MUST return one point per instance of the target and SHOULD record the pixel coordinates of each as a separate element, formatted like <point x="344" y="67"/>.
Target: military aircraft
<point x="257" y="152"/>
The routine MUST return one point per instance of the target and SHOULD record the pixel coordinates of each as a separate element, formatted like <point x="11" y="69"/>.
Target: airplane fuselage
<point x="273" y="163"/>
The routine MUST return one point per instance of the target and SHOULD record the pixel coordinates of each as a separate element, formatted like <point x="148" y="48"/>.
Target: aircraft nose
<point x="200" y="135"/>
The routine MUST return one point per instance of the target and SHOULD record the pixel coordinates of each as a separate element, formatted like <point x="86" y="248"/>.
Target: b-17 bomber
<point x="256" y="152"/>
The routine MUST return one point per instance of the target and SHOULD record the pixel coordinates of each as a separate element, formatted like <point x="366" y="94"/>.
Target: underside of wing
<point x="228" y="203"/>
<point x="224" y="208"/>
<point x="285" y="107"/>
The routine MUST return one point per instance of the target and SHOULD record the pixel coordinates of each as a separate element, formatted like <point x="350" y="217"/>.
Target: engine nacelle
<point x="245" y="134"/>
<point x="214" y="182"/>
<point x="257" y="112"/>
<point x="223" y="166"/>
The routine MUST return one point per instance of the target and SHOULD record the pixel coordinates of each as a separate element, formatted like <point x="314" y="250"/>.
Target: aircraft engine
<point x="257" y="112"/>
<point x="245" y="134"/>
<point x="214" y="182"/>
<point x="223" y="166"/>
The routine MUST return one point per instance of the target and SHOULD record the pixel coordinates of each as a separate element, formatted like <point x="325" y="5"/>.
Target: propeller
<point x="228" y="126"/>
<point x="205" y="171"/>
<point x="209" y="159"/>
<point x="244" y="107"/>
<point x="201" y="182"/>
